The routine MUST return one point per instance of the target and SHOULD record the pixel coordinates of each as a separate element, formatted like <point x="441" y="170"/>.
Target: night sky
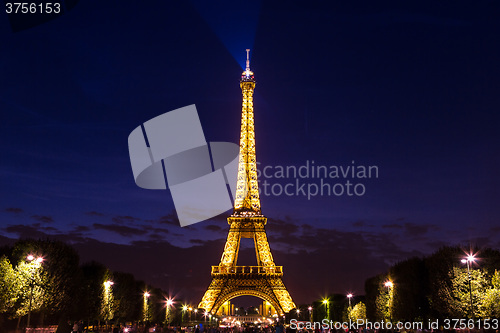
<point x="409" y="87"/>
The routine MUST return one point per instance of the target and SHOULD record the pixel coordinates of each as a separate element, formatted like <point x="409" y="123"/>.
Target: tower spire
<point x="248" y="60"/>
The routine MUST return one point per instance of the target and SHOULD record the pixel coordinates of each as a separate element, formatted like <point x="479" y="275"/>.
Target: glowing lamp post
<point x="349" y="296"/>
<point x="349" y="310"/>
<point x="169" y="304"/>
<point x="327" y="307"/>
<point x="389" y="285"/>
<point x="108" y="284"/>
<point x="108" y="299"/>
<point x="469" y="260"/>
<point x="184" y="309"/>
<point x="36" y="263"/>
<point x="310" y="313"/>
<point x="195" y="312"/>
<point x="146" y="306"/>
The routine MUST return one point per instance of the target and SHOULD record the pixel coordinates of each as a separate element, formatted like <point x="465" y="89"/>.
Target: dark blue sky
<point x="410" y="88"/>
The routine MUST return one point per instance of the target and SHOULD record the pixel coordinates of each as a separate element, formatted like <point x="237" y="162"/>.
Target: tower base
<point x="259" y="281"/>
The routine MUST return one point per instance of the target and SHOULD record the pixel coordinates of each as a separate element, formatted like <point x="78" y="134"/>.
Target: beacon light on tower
<point x="247" y="75"/>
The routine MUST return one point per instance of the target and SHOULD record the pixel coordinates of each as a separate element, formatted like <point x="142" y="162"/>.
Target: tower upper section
<point x="247" y="202"/>
<point x="247" y="75"/>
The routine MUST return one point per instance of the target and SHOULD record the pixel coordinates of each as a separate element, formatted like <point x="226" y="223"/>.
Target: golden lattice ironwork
<point x="247" y="200"/>
<point x="265" y="279"/>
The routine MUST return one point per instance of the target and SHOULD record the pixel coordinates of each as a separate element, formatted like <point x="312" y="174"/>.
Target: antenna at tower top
<point x="248" y="59"/>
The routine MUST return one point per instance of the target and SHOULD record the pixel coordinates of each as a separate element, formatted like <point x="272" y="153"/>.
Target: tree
<point x="59" y="272"/>
<point x="8" y="285"/>
<point x="490" y="307"/>
<point x="440" y="292"/>
<point x="91" y="290"/>
<point x="384" y="302"/>
<point x="358" y="312"/>
<point x="30" y="287"/>
<point x="128" y="296"/>
<point x="460" y="301"/>
<point x="376" y="298"/>
<point x="61" y="290"/>
<point x="410" y="289"/>
<point x="437" y="287"/>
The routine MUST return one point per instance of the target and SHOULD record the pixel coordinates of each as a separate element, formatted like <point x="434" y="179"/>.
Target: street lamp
<point x="469" y="260"/>
<point x="349" y="296"/>
<point x="389" y="284"/>
<point x="349" y="310"/>
<point x="167" y="314"/>
<point x="36" y="264"/>
<point x="298" y="313"/>
<point x="310" y="313"/>
<point x="146" y="306"/>
<point x="327" y="306"/>
<point x="108" y="299"/>
<point x="184" y="309"/>
<point x="195" y="312"/>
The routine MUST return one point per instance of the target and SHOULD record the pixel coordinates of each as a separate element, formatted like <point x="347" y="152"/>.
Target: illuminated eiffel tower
<point x="265" y="280"/>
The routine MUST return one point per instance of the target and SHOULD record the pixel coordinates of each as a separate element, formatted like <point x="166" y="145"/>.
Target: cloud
<point x="197" y="241"/>
<point x="94" y="213"/>
<point x="44" y="228"/>
<point x="81" y="228"/>
<point x="311" y="255"/>
<point x="359" y="224"/>
<point x="392" y="226"/>
<point x="212" y="227"/>
<point x="170" y="218"/>
<point x="416" y="230"/>
<point x="120" y="229"/>
<point x="156" y="237"/>
<point x="123" y="219"/>
<point x="25" y="231"/>
<point x="157" y="230"/>
<point x="219" y="218"/>
<point x="43" y="218"/>
<point x="14" y="210"/>
<point x="291" y="238"/>
<point x="38" y="231"/>
<point x="283" y="227"/>
<point x="495" y="229"/>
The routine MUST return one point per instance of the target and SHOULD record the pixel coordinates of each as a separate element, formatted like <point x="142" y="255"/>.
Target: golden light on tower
<point x="247" y="201"/>
<point x="265" y="279"/>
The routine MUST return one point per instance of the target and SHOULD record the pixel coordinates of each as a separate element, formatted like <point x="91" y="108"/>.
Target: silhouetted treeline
<point x="60" y="289"/>
<point x="437" y="287"/>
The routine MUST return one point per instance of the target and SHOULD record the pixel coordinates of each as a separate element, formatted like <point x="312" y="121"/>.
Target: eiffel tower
<point x="228" y="279"/>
